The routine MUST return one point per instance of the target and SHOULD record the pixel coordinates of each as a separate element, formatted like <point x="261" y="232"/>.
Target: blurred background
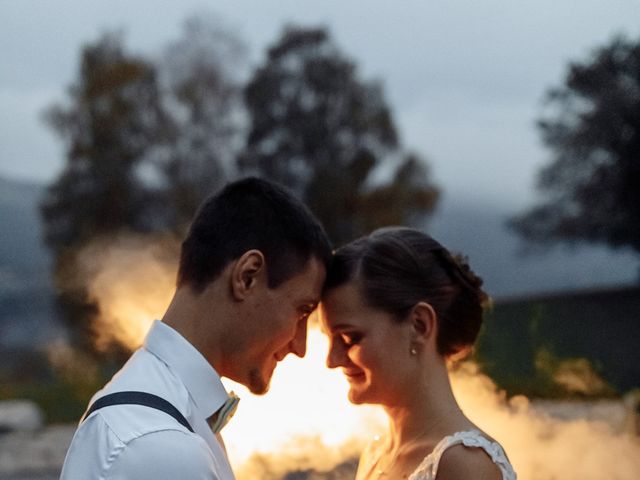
<point x="508" y="131"/>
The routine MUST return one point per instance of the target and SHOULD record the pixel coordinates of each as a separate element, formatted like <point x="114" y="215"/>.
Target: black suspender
<point x="138" y="398"/>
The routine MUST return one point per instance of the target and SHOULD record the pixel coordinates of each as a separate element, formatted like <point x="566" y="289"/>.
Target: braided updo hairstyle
<point x="399" y="267"/>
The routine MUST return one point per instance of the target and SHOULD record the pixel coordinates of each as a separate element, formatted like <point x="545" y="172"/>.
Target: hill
<point x="27" y="314"/>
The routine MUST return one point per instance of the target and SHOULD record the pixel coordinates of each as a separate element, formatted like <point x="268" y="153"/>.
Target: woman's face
<point x="369" y="344"/>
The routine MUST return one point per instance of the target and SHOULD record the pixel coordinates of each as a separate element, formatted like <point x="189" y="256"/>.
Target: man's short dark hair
<point x="248" y="214"/>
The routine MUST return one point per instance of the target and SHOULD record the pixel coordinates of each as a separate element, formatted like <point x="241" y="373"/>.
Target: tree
<point x="593" y="182"/>
<point x="203" y="95"/>
<point x="111" y="127"/>
<point x="146" y="142"/>
<point x="315" y="127"/>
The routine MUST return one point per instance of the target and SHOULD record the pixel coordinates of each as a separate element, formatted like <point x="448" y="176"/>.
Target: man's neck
<point x="200" y="320"/>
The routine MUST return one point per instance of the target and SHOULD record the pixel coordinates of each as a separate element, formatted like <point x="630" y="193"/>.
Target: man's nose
<point x="299" y="342"/>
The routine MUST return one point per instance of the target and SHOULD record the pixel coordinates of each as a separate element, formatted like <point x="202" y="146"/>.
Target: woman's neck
<point x="428" y="412"/>
<point x="419" y="418"/>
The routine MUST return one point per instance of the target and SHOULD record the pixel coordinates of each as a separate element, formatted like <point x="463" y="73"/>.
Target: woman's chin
<point x="357" y="397"/>
<point x="353" y="399"/>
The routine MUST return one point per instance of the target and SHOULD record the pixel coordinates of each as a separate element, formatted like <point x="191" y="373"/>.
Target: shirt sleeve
<point x="164" y="455"/>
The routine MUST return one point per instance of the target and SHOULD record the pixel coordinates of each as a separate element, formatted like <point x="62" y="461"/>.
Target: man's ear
<point x="423" y="322"/>
<point x="246" y="272"/>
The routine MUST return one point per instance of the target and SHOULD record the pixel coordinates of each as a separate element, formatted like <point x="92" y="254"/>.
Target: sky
<point x="465" y="78"/>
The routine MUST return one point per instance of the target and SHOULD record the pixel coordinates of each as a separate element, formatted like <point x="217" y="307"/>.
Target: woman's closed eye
<point x="305" y="311"/>
<point x="350" y="338"/>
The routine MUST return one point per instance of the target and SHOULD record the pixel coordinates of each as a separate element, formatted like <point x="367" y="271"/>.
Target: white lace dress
<point x="428" y="469"/>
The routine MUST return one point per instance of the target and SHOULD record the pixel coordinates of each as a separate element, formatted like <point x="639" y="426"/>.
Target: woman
<point x="396" y="307"/>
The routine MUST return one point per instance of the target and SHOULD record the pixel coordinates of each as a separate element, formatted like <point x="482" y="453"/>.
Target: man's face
<point x="278" y="325"/>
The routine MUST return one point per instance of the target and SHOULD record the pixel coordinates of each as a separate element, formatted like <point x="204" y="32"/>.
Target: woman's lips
<point x="354" y="375"/>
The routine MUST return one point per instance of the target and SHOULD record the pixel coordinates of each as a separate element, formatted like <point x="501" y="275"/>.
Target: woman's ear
<point x="246" y="272"/>
<point x="423" y="322"/>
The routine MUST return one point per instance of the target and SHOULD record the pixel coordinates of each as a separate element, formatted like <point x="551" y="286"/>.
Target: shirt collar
<point x="199" y="377"/>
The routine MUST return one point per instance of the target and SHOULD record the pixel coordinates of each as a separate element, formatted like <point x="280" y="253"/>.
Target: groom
<point x="251" y="271"/>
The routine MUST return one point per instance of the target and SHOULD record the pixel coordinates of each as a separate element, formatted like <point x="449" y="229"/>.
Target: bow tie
<point x="221" y="417"/>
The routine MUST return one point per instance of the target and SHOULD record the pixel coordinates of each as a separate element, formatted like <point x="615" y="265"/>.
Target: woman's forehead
<point x="343" y="307"/>
<point x="345" y="298"/>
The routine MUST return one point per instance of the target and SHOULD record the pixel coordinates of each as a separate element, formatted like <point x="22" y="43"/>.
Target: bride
<point x="396" y="307"/>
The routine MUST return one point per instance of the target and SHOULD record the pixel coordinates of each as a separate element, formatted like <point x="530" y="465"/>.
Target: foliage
<point x="317" y="128"/>
<point x="111" y="125"/>
<point x="113" y="122"/>
<point x="560" y="346"/>
<point x="146" y="141"/>
<point x="204" y="97"/>
<point x="593" y="130"/>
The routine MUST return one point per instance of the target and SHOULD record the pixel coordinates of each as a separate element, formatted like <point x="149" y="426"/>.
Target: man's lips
<point x="279" y="356"/>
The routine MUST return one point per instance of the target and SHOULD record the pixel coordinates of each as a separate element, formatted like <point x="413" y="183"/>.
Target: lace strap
<point x="428" y="469"/>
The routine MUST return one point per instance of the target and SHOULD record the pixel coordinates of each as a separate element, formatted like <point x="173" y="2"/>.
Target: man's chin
<point x="258" y="384"/>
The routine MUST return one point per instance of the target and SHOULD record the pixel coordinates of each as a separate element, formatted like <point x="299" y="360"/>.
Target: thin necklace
<point x="377" y="468"/>
<point x="379" y="472"/>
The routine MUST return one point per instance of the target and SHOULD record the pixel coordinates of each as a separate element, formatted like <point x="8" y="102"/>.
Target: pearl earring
<point x="413" y="351"/>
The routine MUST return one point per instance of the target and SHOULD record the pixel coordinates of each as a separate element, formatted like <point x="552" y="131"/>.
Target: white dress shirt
<point x="138" y="442"/>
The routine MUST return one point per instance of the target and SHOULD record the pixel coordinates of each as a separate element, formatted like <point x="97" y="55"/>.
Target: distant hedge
<point x="525" y="342"/>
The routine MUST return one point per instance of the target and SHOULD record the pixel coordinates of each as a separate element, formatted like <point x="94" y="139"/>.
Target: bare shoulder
<point x="463" y="463"/>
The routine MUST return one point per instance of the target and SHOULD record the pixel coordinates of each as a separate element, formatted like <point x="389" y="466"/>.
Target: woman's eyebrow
<point x="310" y="306"/>
<point x="309" y="302"/>
<point x="341" y="327"/>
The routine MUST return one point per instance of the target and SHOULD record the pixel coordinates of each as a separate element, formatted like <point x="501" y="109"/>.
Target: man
<point x="251" y="272"/>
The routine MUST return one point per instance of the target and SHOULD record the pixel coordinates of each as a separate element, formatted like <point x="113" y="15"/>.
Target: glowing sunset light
<point x="305" y="400"/>
<point x="306" y="422"/>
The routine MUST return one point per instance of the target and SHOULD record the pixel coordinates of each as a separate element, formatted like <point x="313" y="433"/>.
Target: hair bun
<point x="462" y="272"/>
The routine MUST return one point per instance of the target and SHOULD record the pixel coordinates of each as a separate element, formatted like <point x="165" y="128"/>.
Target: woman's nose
<point x="336" y="356"/>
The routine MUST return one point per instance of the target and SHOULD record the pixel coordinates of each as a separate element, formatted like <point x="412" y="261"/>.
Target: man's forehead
<point x="314" y="273"/>
<point x="305" y="287"/>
